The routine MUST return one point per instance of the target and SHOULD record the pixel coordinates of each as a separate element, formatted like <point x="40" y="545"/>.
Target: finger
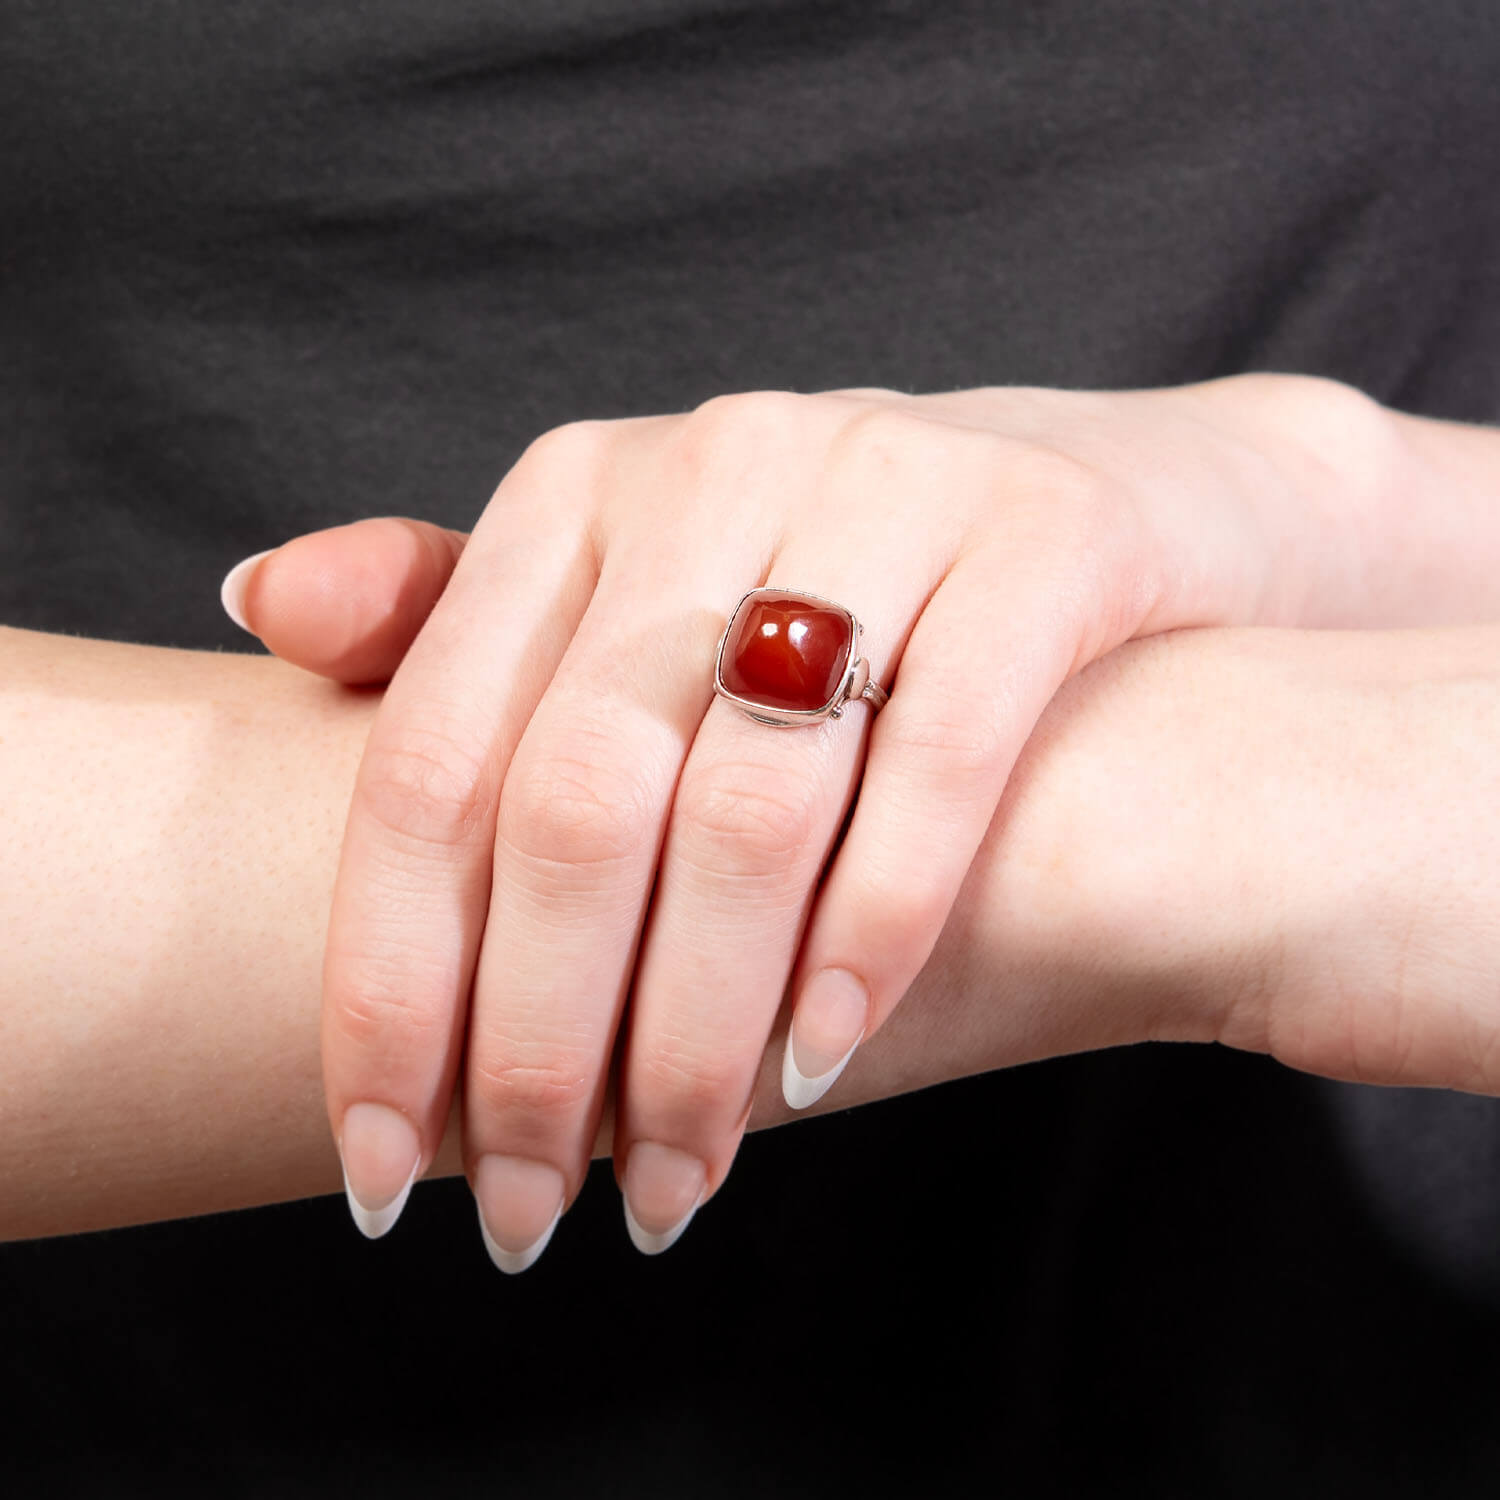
<point x="577" y="835"/>
<point x="988" y="654"/>
<point x="348" y="601"/>
<point x="756" y="811"/>
<point x="414" y="876"/>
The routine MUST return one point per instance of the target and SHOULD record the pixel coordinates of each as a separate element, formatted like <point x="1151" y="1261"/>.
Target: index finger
<point x="412" y="890"/>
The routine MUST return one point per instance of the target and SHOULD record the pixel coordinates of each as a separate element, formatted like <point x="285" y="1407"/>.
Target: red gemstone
<point x="786" y="651"/>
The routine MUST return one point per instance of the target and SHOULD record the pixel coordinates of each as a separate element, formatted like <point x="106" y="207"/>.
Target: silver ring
<point x="787" y="657"/>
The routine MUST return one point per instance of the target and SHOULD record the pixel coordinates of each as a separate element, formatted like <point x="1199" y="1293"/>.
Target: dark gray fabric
<point x="272" y="266"/>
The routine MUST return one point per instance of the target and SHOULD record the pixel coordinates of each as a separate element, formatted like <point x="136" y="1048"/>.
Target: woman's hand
<point x="550" y="744"/>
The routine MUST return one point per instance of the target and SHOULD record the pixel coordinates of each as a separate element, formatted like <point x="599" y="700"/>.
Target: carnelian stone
<point x="786" y="651"/>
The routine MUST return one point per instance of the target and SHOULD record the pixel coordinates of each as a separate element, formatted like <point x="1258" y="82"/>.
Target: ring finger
<point x="755" y="815"/>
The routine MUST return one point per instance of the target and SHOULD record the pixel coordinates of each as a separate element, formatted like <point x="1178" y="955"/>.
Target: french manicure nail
<point x="236" y="582"/>
<point x="519" y="1202"/>
<point x="663" y="1188"/>
<point x="828" y="1023"/>
<point x="382" y="1154"/>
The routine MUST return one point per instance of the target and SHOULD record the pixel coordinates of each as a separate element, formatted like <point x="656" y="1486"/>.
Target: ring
<point x="788" y="658"/>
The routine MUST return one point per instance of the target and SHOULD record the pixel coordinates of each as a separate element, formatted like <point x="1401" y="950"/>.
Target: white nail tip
<point x="236" y="581"/>
<point x="798" y="1089"/>
<point x="374" y="1222"/>
<point x="653" y="1244"/>
<point x="513" y="1262"/>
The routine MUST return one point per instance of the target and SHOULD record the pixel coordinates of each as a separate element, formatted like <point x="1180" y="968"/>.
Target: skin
<point x="1281" y="840"/>
<point x="566" y="821"/>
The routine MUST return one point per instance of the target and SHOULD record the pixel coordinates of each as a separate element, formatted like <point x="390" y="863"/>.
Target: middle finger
<point x="578" y="827"/>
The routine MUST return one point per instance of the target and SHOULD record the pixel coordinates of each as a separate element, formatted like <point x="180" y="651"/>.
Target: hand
<point x="1281" y="840"/>
<point x="993" y="542"/>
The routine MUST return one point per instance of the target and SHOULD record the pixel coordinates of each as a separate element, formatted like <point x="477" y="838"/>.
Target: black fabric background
<point x="274" y="266"/>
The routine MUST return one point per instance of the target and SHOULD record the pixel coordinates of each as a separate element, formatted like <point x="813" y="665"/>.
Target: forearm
<point x="1286" y="841"/>
<point x="171" y="828"/>
<point x="172" y="823"/>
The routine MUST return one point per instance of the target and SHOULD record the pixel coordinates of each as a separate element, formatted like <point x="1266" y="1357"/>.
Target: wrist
<point x="1284" y="841"/>
<point x="1313" y="461"/>
<point x="1373" y="517"/>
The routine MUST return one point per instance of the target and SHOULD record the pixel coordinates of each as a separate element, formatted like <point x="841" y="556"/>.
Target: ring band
<point x="789" y="658"/>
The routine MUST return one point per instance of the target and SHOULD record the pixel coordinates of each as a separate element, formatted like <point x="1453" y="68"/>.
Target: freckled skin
<point x="786" y="652"/>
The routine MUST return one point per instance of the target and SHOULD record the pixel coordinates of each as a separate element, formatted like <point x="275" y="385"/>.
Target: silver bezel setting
<point x="852" y="682"/>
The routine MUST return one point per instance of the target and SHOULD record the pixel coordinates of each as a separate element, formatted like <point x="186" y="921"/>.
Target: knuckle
<point x="434" y="786"/>
<point x="556" y="1084"/>
<point x="747" y="821"/>
<point x="882" y="393"/>
<point x="887" y="437"/>
<point x="566" y="449"/>
<point x="1077" y="538"/>
<point x="736" y="412"/>
<point x="557" y="475"/>
<point x="578" y="809"/>
<point x="732" y="429"/>
<point x="378" y="1014"/>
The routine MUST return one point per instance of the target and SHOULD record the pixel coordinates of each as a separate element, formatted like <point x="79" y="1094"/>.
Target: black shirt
<point x="273" y="266"/>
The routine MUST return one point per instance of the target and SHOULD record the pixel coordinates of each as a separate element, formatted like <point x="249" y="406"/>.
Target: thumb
<point x="347" y="602"/>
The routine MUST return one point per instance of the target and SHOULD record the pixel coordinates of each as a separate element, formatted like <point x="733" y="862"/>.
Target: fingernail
<point x="236" y="581"/>
<point x="381" y="1152"/>
<point x="519" y="1203"/>
<point x="663" y="1188"/>
<point x="828" y="1023"/>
